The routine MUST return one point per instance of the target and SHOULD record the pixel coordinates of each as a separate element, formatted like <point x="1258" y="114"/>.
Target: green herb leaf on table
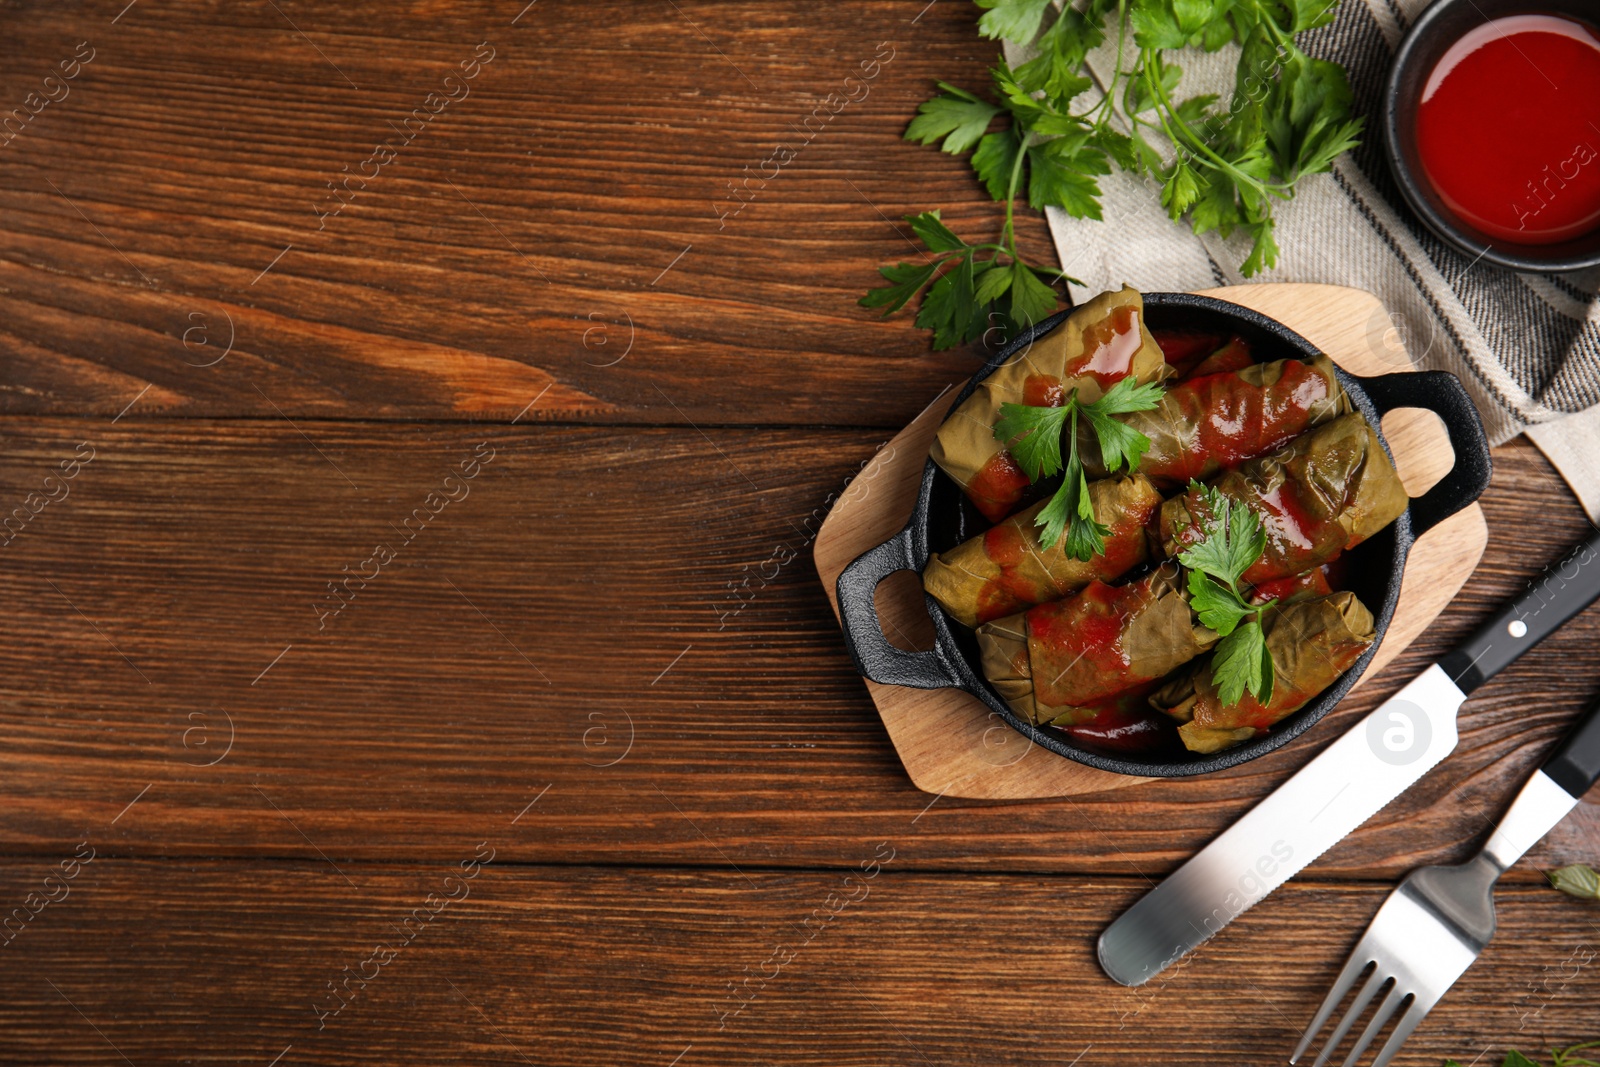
<point x="1034" y="435"/>
<point x="1012" y="20"/>
<point x="956" y="116"/>
<point x="1577" y="881"/>
<point x="1231" y="540"/>
<point x="964" y="287"/>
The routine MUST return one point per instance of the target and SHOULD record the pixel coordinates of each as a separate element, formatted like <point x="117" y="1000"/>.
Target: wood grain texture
<point x="168" y="963"/>
<point x="517" y="642"/>
<point x="949" y="741"/>
<point x="521" y="242"/>
<point x="608" y="658"/>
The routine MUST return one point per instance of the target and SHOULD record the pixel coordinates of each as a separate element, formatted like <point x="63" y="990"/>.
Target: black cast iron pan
<point x="943" y="518"/>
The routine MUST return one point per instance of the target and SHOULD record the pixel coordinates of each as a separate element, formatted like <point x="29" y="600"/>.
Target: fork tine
<point x="1402" y="1029"/>
<point x="1357" y="1006"/>
<point x="1385" y="1012"/>
<point x="1352" y="970"/>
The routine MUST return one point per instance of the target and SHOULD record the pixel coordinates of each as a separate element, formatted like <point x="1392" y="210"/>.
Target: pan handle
<point x="874" y="656"/>
<point x="1443" y="394"/>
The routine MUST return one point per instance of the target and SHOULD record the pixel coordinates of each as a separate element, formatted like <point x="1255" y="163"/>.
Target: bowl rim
<point x="1448" y="229"/>
<point x="972" y="680"/>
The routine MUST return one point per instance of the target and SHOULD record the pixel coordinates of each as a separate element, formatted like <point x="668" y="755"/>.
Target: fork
<point x="1434" y="925"/>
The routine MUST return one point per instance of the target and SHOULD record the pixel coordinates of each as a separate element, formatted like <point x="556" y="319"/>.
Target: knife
<point x="1375" y="761"/>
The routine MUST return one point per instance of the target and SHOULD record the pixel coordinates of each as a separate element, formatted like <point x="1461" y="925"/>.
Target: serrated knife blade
<point x="1374" y="762"/>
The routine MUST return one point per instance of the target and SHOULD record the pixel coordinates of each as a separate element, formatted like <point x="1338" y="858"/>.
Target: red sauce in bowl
<point x="1508" y="129"/>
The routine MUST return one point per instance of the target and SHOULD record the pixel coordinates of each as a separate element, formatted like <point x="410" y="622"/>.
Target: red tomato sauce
<point x="1042" y="391"/>
<point x="1508" y="129"/>
<point x="997" y="487"/>
<point x="1182" y="349"/>
<point x="1124" y="724"/>
<point x="1109" y="347"/>
<point x="1302" y="586"/>
<point x="1296" y="539"/>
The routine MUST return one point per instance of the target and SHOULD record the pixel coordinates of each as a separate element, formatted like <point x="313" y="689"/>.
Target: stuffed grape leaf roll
<point x="1328" y="490"/>
<point x="1215" y="421"/>
<point x="1098" y="643"/>
<point x="1097" y="345"/>
<point x="1235" y="355"/>
<point x="1005" y="569"/>
<point x="1311" y="642"/>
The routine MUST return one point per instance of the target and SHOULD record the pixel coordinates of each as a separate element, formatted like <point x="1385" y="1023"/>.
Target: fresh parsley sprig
<point x="973" y="291"/>
<point x="1034" y="436"/>
<point x="1222" y="162"/>
<point x="1231" y="540"/>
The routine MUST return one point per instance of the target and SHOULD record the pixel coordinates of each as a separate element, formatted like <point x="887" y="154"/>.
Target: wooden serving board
<point x="950" y="743"/>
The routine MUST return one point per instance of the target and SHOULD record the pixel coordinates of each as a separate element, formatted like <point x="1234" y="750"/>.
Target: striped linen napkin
<point x="1526" y="345"/>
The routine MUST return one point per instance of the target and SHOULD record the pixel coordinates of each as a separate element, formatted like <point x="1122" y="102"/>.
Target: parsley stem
<point x="1109" y="102"/>
<point x="1166" y="109"/>
<point x="1010" y="235"/>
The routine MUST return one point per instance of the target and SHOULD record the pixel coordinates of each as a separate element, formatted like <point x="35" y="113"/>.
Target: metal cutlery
<point x="1435" y="924"/>
<point x="1371" y="764"/>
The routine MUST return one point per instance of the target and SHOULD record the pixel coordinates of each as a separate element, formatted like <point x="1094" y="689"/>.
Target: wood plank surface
<point x="599" y="190"/>
<point x="194" y="962"/>
<point x="225" y="386"/>
<point x="520" y="638"/>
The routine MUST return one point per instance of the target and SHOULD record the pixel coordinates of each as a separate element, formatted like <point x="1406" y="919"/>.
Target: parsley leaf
<point x="1120" y="444"/>
<point x="905" y="281"/>
<point x="1231" y="540"/>
<point x="1219" y="609"/>
<point x="1031" y="299"/>
<point x="957" y="116"/>
<point x="1071" y="512"/>
<point x="1559" y="1057"/>
<point x="1012" y="20"/>
<point x="934" y="233"/>
<point x="1034" y="436"/>
<point x="963" y="286"/>
<point x="1241" y="662"/>
<point x="995" y="163"/>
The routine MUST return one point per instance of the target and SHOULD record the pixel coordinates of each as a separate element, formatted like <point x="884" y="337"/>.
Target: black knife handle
<point x="1575" y="764"/>
<point x="1566" y="589"/>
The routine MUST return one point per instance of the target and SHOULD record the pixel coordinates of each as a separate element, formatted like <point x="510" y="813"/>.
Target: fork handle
<point x="1575" y="763"/>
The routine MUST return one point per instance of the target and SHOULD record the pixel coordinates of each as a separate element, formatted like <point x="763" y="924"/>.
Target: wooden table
<point x="575" y="767"/>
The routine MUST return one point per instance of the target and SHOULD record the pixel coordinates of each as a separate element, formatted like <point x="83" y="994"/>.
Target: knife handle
<point x="1575" y="763"/>
<point x="1566" y="589"/>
